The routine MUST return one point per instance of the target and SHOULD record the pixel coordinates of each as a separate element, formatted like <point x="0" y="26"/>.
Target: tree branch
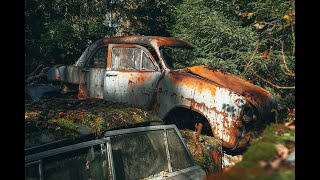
<point x="31" y="74"/>
<point x="254" y="53"/>
<point x="289" y="72"/>
<point x="43" y="73"/>
<point x="293" y="39"/>
<point x="274" y="85"/>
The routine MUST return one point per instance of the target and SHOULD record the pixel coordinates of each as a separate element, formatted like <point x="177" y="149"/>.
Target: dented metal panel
<point x="53" y="74"/>
<point x="132" y="87"/>
<point x="68" y="74"/>
<point x="95" y="82"/>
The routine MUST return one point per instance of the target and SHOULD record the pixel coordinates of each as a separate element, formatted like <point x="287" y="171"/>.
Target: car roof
<point x="149" y="40"/>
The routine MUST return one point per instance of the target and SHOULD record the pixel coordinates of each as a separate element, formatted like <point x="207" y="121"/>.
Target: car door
<point x="132" y="75"/>
<point x="94" y="72"/>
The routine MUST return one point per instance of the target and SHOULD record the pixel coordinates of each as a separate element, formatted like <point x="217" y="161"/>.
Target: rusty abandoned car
<point x="136" y="70"/>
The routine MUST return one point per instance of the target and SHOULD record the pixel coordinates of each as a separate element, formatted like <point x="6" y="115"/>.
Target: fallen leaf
<point x="250" y="14"/>
<point x="276" y="163"/>
<point x="282" y="151"/>
<point x="286" y="17"/>
<point x="258" y="26"/>
<point x="263" y="164"/>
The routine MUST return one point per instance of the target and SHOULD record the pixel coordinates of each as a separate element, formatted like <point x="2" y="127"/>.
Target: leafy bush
<point x="253" y="39"/>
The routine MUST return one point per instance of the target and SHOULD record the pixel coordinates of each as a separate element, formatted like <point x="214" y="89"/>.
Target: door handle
<point x="85" y="70"/>
<point x="111" y="74"/>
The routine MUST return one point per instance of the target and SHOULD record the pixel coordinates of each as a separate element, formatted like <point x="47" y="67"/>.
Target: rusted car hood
<point x="257" y="96"/>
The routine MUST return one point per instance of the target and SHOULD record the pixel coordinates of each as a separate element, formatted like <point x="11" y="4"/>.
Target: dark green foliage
<point x="58" y="31"/>
<point x="220" y="40"/>
<point x="148" y="17"/>
<point x="254" y="39"/>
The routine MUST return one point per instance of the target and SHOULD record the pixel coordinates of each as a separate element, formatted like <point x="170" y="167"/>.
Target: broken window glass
<point x="126" y="58"/>
<point x="98" y="60"/>
<point x="85" y="163"/>
<point x="180" y="159"/>
<point x="32" y="171"/>
<point x="147" y="63"/>
<point x="139" y="155"/>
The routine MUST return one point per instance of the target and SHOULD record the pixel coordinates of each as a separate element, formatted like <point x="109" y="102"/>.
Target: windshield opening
<point x="177" y="57"/>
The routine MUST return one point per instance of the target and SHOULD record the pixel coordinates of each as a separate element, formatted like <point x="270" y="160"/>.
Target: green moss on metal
<point x="60" y="117"/>
<point x="206" y="150"/>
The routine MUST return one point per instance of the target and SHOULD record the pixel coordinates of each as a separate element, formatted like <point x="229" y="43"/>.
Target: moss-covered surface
<point x="58" y="118"/>
<point x="266" y="158"/>
<point x="206" y="150"/>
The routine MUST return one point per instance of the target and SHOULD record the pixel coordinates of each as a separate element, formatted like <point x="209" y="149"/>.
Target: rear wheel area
<point x="187" y="119"/>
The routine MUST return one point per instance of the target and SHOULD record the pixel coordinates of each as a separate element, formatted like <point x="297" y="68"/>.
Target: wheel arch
<point x="187" y="111"/>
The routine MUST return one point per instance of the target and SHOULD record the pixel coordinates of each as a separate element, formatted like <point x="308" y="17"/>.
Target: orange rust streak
<point x="215" y="156"/>
<point x="149" y="40"/>
<point x="232" y="82"/>
<point x="198" y="127"/>
<point x="197" y="84"/>
<point x="140" y="80"/>
<point x="109" y="58"/>
<point x="134" y="71"/>
<point x="148" y="77"/>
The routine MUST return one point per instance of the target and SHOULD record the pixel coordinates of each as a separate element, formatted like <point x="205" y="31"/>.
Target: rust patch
<point x="196" y="105"/>
<point x="82" y="91"/>
<point x="232" y="131"/>
<point x="148" y="40"/>
<point x="253" y="93"/>
<point x="198" y="127"/>
<point x="179" y="77"/>
<point x="215" y="156"/>
<point x="140" y="80"/>
<point x="133" y="71"/>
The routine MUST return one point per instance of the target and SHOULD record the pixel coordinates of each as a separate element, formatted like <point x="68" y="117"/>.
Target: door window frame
<point x="94" y="53"/>
<point x="144" y="50"/>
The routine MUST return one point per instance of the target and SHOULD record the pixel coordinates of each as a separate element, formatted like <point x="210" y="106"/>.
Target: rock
<point x="229" y="161"/>
<point x="291" y="158"/>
